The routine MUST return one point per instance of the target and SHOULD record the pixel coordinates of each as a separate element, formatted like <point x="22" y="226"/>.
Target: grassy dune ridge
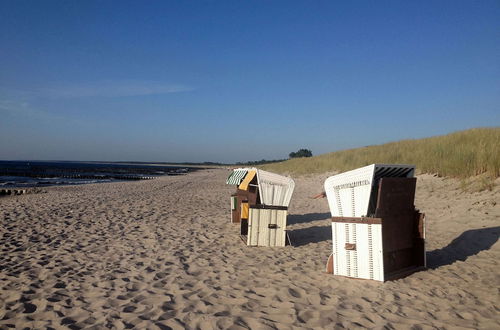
<point x="462" y="154"/>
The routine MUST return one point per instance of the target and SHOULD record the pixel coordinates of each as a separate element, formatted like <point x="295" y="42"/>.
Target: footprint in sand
<point x="294" y="293"/>
<point x="29" y="308"/>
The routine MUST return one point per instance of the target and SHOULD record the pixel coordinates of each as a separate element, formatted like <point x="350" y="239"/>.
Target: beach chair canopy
<point x="274" y="189"/>
<point x="236" y="176"/>
<point x="354" y="193"/>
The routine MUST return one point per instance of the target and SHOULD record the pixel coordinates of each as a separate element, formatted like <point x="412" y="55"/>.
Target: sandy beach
<point x="162" y="254"/>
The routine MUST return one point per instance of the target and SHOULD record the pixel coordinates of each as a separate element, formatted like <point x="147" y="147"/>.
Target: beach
<point x="162" y="254"/>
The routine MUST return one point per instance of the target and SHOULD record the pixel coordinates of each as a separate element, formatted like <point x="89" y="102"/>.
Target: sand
<point x="162" y="254"/>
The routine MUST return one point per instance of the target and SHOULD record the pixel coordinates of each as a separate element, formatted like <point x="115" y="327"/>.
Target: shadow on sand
<point x="302" y="218"/>
<point x="469" y="243"/>
<point x="308" y="235"/>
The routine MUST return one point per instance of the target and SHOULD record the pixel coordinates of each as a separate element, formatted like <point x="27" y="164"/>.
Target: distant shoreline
<point x="24" y="174"/>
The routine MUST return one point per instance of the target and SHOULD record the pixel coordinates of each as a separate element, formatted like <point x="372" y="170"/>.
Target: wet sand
<point x="162" y="254"/>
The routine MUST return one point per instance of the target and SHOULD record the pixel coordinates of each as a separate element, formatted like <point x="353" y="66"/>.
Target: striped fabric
<point x="236" y="177"/>
<point x="246" y="181"/>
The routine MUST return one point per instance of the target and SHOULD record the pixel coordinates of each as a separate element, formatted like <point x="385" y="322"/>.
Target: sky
<point x="234" y="81"/>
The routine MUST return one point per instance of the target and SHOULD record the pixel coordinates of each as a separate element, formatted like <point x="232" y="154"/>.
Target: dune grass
<point x="462" y="154"/>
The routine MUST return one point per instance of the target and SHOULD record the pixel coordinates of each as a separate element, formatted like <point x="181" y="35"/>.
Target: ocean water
<point x="15" y="174"/>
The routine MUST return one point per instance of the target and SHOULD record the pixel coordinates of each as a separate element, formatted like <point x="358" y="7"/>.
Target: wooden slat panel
<point x="335" y="248"/>
<point x="253" y="230"/>
<point x="340" y="255"/>
<point x="259" y="232"/>
<point x="419" y="247"/>
<point x="256" y="228"/>
<point x="363" y="250"/>
<point x="352" y="255"/>
<point x="250" y="231"/>
<point x="273" y="232"/>
<point x="396" y="194"/>
<point x="281" y="231"/>
<point x="236" y="213"/>
<point x="259" y="219"/>
<point x="265" y="217"/>
<point x="377" y="250"/>
<point x="284" y="215"/>
<point x="398" y="231"/>
<point x="345" y="194"/>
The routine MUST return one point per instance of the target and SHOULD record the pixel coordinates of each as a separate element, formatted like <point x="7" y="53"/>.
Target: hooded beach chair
<point x="260" y="205"/>
<point x="376" y="231"/>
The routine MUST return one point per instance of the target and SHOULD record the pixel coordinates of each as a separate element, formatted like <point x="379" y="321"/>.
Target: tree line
<point x="296" y="154"/>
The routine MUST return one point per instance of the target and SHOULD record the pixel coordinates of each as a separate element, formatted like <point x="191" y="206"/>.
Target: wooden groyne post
<point x="7" y="192"/>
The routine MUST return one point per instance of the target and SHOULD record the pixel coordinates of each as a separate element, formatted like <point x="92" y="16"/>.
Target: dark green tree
<point x="301" y="153"/>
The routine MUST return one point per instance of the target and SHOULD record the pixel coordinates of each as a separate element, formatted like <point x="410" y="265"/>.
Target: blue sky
<point x="240" y="80"/>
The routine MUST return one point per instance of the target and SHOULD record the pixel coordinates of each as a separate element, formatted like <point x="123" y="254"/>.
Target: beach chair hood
<point x="236" y="176"/>
<point x="274" y="189"/>
<point x="354" y="193"/>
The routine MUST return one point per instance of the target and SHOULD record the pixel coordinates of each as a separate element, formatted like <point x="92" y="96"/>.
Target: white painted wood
<point x="256" y="228"/>
<point x="250" y="229"/>
<point x="281" y="216"/>
<point x="377" y="250"/>
<point x="367" y="260"/>
<point x="265" y="217"/>
<point x="363" y="194"/>
<point x="349" y="193"/>
<point x="253" y="227"/>
<point x="363" y="249"/>
<point x="335" y="248"/>
<point x="353" y="254"/>
<point x="345" y="195"/>
<point x="339" y="255"/>
<point x="273" y="237"/>
<point x="259" y="233"/>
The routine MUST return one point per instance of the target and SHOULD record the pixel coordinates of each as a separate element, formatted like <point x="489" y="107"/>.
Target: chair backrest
<point x="354" y="193"/>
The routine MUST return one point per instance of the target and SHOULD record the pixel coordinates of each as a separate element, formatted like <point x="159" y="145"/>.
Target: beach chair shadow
<point x="309" y="217"/>
<point x="469" y="243"/>
<point x="308" y="235"/>
<point x="314" y="234"/>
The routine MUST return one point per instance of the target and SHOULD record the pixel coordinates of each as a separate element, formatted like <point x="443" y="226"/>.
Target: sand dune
<point x="162" y="254"/>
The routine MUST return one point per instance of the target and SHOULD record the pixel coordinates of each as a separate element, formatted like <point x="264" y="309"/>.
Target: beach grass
<point x="463" y="154"/>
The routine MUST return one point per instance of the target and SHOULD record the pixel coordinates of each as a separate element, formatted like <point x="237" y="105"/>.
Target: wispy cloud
<point x="25" y="110"/>
<point x="31" y="103"/>
<point x="110" y="88"/>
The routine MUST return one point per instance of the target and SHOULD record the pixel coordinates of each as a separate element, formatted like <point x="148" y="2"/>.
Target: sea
<point x="18" y="174"/>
